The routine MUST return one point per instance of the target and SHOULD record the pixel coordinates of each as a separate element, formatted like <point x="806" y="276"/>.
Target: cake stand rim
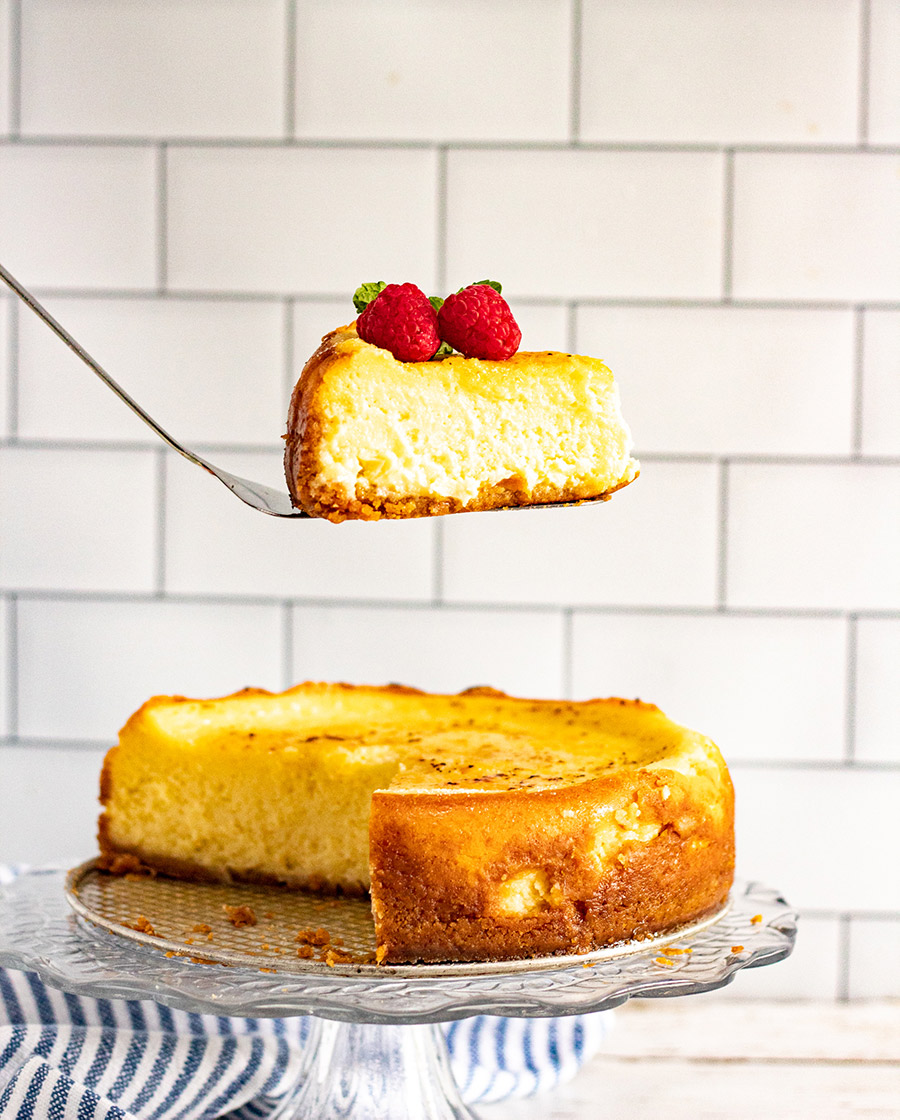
<point x="66" y="957"/>
<point x="408" y="971"/>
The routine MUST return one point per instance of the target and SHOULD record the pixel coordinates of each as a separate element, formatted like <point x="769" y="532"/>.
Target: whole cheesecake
<point x="370" y="436"/>
<point x="485" y="827"/>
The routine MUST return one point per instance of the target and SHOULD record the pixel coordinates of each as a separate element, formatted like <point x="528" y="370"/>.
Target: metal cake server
<point x="266" y="499"/>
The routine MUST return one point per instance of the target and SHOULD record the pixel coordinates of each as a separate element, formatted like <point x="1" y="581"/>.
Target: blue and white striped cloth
<point x="66" y="1057"/>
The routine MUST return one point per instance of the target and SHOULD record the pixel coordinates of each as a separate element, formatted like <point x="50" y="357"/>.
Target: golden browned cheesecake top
<point x="478" y="740"/>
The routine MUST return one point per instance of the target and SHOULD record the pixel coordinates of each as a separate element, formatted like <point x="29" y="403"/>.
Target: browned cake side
<point x="431" y="905"/>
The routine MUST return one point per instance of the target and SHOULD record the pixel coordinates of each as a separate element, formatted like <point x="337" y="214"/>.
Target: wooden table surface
<point x="689" y="1059"/>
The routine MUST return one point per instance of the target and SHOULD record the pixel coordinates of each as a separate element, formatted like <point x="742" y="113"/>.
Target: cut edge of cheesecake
<point x="396" y="472"/>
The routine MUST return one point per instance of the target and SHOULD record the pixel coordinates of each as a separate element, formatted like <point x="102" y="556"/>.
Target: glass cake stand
<point x="375" y="1049"/>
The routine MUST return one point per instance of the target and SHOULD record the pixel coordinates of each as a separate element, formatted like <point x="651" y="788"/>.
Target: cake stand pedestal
<point x="375" y="1048"/>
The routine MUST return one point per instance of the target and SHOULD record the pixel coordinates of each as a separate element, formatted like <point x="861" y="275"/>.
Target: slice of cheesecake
<point x="485" y="827"/>
<point x="369" y="436"/>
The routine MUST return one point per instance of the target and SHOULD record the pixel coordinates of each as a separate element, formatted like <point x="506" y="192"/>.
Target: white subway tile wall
<point x="773" y="689"/>
<point x="832" y="236"/>
<point x="196" y="188"/>
<point x="6" y="312"/>
<point x="80" y="217"/>
<point x="877" y="695"/>
<point x="874" y="966"/>
<point x="444" y="650"/>
<point x="5" y="659"/>
<point x="215" y="545"/>
<point x="85" y="666"/>
<point x="720" y="73"/>
<point x="567" y="222"/>
<point x="395" y="70"/>
<point x="83" y="521"/>
<point x="208" y="371"/>
<point x="790" y="371"/>
<point x="660" y="547"/>
<point x="130" y="69"/>
<point x="818" y="536"/>
<point x="299" y="219"/>
<point x="881" y="383"/>
<point x="47" y="802"/>
<point x="6" y="55"/>
<point x="883" y="117"/>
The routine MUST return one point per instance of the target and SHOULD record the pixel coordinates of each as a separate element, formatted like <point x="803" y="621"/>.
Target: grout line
<point x="683" y="303"/>
<point x="15" y="69"/>
<point x="826" y="914"/>
<point x="576" y="53"/>
<point x="842" y="994"/>
<point x="856" y="420"/>
<point x="722" y="544"/>
<point x="147" y="443"/>
<point x="12" y="384"/>
<point x="159" y="580"/>
<point x="32" y="743"/>
<point x="388" y="144"/>
<point x="728" y="226"/>
<point x="572" y="326"/>
<point x="288" y="353"/>
<point x="851" y="688"/>
<point x="764" y="460"/>
<point x="290" y="70"/>
<point x="287" y="644"/>
<point x="162" y="218"/>
<point x="568" y="652"/>
<point x="437" y="571"/>
<point x="824" y="765"/>
<point x="625" y="610"/>
<point x="865" y="61"/>
<point x="12" y="655"/>
<point x="441" y="220"/>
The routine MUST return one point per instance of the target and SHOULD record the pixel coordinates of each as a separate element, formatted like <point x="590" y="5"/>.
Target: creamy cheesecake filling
<point x="449" y="428"/>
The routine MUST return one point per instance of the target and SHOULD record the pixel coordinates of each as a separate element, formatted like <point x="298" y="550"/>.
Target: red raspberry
<point x="478" y="323"/>
<point x="401" y="319"/>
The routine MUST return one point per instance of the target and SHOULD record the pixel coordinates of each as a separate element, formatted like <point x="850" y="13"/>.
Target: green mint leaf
<point x="436" y="302"/>
<point x="443" y="351"/>
<point x="365" y="293"/>
<point x="498" y="287"/>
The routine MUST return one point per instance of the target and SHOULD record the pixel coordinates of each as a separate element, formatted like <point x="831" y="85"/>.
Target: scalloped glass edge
<point x="39" y="933"/>
<point x="450" y="969"/>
